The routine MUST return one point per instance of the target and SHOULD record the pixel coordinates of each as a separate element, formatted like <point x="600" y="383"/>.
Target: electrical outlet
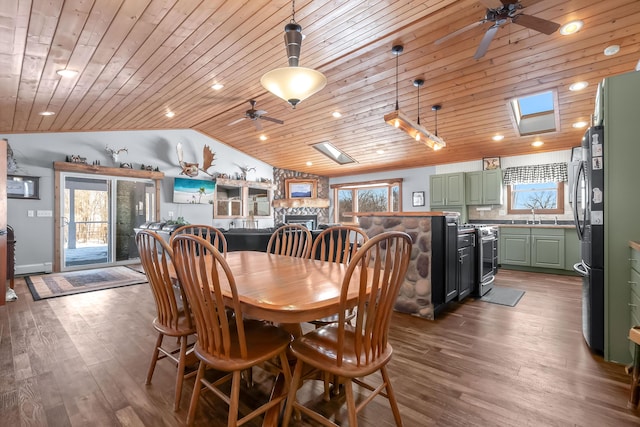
<point x="30" y="213"/>
<point x="44" y="213"/>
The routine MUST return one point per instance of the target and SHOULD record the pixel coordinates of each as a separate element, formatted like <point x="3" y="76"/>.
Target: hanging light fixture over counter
<point x="293" y="83"/>
<point x="401" y="121"/>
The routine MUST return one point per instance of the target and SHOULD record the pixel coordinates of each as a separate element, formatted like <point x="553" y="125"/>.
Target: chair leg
<point x="392" y="397"/>
<point x="351" y="403"/>
<point x="234" y="401"/>
<point x="293" y="388"/>
<point x="197" y="387"/>
<point x="180" y="374"/>
<point x="154" y="358"/>
<point x="635" y="379"/>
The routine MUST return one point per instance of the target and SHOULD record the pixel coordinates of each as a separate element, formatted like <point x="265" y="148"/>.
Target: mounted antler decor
<point x="114" y="153"/>
<point x="192" y="169"/>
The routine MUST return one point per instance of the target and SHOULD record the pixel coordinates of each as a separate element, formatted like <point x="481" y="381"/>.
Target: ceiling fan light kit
<point x="401" y="121"/>
<point x="294" y="84"/>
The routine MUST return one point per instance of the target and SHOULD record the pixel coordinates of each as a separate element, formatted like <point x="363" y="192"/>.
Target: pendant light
<point x="293" y="83"/>
<point x="401" y="121"/>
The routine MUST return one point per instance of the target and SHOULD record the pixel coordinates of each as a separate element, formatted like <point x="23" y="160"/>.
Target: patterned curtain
<point x="552" y="172"/>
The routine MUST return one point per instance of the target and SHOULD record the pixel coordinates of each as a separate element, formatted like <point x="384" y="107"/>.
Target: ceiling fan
<point x="256" y="116"/>
<point x="501" y="12"/>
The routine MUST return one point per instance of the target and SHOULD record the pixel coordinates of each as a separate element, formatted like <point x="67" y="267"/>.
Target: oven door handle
<point x="490" y="281"/>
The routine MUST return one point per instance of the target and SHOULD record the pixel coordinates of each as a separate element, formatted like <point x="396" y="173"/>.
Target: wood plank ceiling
<point x="139" y="59"/>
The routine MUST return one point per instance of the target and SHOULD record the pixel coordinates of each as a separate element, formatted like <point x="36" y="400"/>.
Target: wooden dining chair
<point x="290" y="240"/>
<point x="337" y="244"/>
<point x="353" y="352"/>
<point x="226" y="344"/>
<point x="173" y="315"/>
<point x="207" y="232"/>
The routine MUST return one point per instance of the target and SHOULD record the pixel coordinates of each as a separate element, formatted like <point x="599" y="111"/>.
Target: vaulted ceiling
<point x="139" y="59"/>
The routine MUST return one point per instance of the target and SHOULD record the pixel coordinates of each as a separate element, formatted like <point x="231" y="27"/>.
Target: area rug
<point x="76" y="282"/>
<point x="503" y="296"/>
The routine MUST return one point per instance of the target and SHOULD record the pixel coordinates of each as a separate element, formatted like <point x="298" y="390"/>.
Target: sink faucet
<point x="533" y="214"/>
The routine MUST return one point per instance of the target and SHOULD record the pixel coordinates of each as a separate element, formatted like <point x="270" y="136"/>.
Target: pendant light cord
<point x="436" y="121"/>
<point x="293" y="11"/>
<point x="419" y="104"/>
<point x="397" y="57"/>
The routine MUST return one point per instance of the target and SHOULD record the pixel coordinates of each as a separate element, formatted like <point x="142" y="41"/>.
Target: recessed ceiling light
<point x="497" y="137"/>
<point x="67" y="73"/>
<point x="217" y="86"/>
<point x="263" y="137"/>
<point x="170" y="114"/>
<point x="336" y="114"/>
<point x="309" y="163"/>
<point x="579" y="125"/>
<point x="571" y="27"/>
<point x="578" y="86"/>
<point x="537" y="143"/>
<point x="46" y="113"/>
<point x="611" y="50"/>
<point x="380" y="151"/>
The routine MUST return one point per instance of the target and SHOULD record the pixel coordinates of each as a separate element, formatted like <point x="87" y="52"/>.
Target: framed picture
<point x="418" y="198"/>
<point x="23" y="187"/>
<point x="193" y="191"/>
<point x="301" y="188"/>
<point x="489" y="163"/>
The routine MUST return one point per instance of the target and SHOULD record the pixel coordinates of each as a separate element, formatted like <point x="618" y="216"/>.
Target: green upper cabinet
<point x="484" y="187"/>
<point x="447" y="189"/>
<point x="473" y="187"/>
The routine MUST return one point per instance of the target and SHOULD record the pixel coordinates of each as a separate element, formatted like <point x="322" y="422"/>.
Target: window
<point x="372" y="196"/>
<point x="544" y="198"/>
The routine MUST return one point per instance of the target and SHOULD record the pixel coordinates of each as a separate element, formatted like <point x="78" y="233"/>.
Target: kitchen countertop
<point x="634" y="245"/>
<point x="536" y="225"/>
<point x="400" y="214"/>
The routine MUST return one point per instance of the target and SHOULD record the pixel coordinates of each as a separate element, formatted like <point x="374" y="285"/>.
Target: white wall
<point x="35" y="154"/>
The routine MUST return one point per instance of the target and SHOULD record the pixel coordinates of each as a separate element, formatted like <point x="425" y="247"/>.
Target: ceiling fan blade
<point x="538" y="24"/>
<point x="270" y="119"/>
<point x="458" y="32"/>
<point x="492" y="4"/>
<point x="259" y="112"/>
<point x="236" y="121"/>
<point x="486" y="40"/>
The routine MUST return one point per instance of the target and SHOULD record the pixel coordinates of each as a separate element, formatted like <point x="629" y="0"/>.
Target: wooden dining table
<point x="285" y="289"/>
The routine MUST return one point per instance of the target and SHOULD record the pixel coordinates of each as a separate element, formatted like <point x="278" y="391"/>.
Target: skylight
<point x="535" y="113"/>
<point x="333" y="153"/>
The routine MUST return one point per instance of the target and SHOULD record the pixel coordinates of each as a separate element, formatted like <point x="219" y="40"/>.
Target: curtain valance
<point x="552" y="172"/>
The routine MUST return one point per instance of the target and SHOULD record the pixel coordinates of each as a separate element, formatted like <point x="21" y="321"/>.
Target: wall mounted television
<point x="193" y="191"/>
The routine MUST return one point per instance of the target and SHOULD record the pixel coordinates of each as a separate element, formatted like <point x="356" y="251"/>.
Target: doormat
<point x="503" y="296"/>
<point x="77" y="282"/>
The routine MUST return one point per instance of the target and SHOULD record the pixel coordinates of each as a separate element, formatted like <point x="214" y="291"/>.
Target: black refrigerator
<point x="588" y="211"/>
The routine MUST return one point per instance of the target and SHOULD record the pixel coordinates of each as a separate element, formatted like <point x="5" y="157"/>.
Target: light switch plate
<point x="44" y="213"/>
<point x="30" y="213"/>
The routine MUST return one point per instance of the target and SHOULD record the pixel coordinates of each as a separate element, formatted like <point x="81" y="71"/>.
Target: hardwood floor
<point x="81" y="360"/>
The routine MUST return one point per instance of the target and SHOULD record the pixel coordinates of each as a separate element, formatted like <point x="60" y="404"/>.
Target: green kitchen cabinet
<point x="484" y="187"/>
<point x="532" y="247"/>
<point x="547" y="248"/>
<point x="446" y="190"/>
<point x="515" y="246"/>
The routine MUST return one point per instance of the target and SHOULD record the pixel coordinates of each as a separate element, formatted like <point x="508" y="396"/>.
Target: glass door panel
<point x="86" y="215"/>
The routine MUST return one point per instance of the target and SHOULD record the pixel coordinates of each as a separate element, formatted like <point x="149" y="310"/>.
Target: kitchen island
<point x="422" y="293"/>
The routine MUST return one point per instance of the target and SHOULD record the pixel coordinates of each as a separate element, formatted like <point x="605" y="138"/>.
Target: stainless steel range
<point x="486" y="257"/>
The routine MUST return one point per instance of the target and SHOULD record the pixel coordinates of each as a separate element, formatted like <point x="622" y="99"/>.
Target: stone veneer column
<point x="415" y="292"/>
